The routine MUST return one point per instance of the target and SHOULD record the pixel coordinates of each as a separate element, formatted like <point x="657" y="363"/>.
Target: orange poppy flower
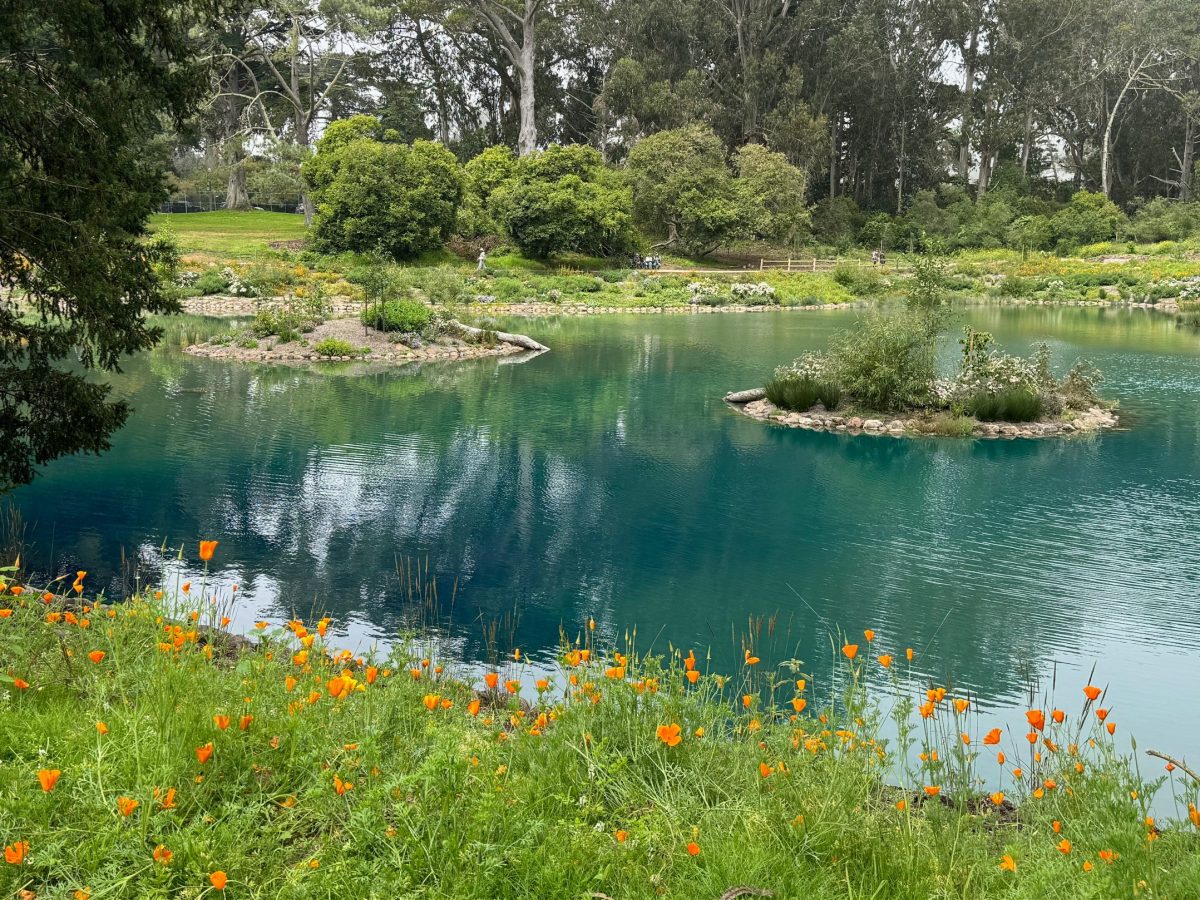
<point x="869" y="635"/>
<point x="902" y="805"/>
<point x="341" y="786"/>
<point x="206" y="549"/>
<point x="798" y="704"/>
<point x="14" y="854"/>
<point x="162" y="855"/>
<point x="1032" y="737"/>
<point x="47" y="778"/>
<point x="204" y="753"/>
<point x="1111" y="727"/>
<point x="961" y="705"/>
<point x="614" y="672"/>
<point x="997" y="798"/>
<point x="692" y="676"/>
<point x="430" y="701"/>
<point x="908" y="653"/>
<point x="1064" y="846"/>
<point x="244" y="722"/>
<point x="1000" y="757"/>
<point x="992" y="737"/>
<point x="1058" y="715"/>
<point x="1007" y="863"/>
<point x="689" y="663"/>
<point x="219" y="879"/>
<point x="96" y="656"/>
<point x="20" y="684"/>
<point x="1018" y="773"/>
<point x="491" y="679"/>
<point x="102" y="728"/>
<point x="669" y="734"/>
<point x="1102" y="714"/>
<point x="473" y="707"/>
<point x="289" y="683"/>
<point x="850" y="651"/>
<point x="1091" y="692"/>
<point x="126" y="805"/>
<point x="168" y="799"/>
<point x="512" y="685"/>
<point x="751" y="660"/>
<point x="926" y="709"/>
<point x="693" y="848"/>
<point x="186" y="587"/>
<point x="1036" y="718"/>
<point x="5" y="613"/>
<point x="764" y="770"/>
<point x="1107" y="855"/>
<point x="621" y="835"/>
<point x="222" y="722"/>
<point x="886" y="660"/>
<point x="932" y="790"/>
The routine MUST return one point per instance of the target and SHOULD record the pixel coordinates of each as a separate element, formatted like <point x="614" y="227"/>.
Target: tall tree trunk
<point x="527" y="72"/>
<point x="1135" y="70"/>
<point x="235" y="188"/>
<point x="964" y="145"/>
<point x="985" y="171"/>
<point x="1188" y="163"/>
<point x="900" y="179"/>
<point x="1027" y="140"/>
<point x="835" y="152"/>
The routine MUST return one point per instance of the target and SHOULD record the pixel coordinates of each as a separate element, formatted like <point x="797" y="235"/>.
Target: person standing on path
<point x="482" y="260"/>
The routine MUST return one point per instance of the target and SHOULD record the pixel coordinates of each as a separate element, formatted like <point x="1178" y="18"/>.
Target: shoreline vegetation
<point x="882" y="375"/>
<point x="278" y="765"/>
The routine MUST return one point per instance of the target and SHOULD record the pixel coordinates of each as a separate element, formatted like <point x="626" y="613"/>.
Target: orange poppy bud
<point x="1111" y="727"/>
<point x="204" y="753"/>
<point x="908" y="654"/>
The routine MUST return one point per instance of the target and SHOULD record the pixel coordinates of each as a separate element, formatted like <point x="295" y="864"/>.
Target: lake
<point x="607" y="479"/>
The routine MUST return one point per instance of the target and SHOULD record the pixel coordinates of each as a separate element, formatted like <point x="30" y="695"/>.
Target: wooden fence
<point x="809" y="264"/>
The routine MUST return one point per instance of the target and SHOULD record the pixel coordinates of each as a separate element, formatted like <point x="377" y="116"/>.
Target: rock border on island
<point x="753" y="403"/>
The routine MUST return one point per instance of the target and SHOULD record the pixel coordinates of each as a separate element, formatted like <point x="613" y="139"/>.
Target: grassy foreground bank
<point x="144" y="752"/>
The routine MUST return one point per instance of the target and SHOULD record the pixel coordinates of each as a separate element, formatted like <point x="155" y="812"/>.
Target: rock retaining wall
<point x="1084" y="422"/>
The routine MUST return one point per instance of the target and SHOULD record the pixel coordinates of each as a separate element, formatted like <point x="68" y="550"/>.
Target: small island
<point x="882" y="378"/>
<point x="400" y="330"/>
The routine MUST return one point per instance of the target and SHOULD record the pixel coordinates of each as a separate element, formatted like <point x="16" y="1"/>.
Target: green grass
<point x="568" y="792"/>
<point x="232" y="235"/>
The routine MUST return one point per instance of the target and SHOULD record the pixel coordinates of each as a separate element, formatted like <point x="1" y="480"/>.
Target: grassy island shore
<point x="147" y="753"/>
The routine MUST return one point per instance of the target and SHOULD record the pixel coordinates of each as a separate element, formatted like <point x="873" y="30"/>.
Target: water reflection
<point x="607" y="479"/>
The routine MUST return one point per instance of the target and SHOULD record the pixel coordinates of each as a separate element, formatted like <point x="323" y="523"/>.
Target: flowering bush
<point x="753" y="292"/>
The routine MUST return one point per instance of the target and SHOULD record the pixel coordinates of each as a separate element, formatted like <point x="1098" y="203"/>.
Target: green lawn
<point x="236" y="235"/>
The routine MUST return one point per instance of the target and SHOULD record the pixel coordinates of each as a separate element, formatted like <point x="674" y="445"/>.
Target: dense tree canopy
<point x="83" y="84"/>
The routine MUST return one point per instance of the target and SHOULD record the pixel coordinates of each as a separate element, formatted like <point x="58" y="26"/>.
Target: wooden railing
<point x="807" y="264"/>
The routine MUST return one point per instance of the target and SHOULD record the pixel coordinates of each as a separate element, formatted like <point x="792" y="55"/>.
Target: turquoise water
<point x="607" y="479"/>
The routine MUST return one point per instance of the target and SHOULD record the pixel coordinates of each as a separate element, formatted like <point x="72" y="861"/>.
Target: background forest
<point x="967" y="121"/>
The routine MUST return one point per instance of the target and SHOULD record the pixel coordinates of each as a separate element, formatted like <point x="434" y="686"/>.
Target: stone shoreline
<point x="216" y="305"/>
<point x="400" y="356"/>
<point x="1086" y="422"/>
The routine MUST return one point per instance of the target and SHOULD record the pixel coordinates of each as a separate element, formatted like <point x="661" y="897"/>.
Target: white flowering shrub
<point x="238" y="287"/>
<point x="753" y="292"/>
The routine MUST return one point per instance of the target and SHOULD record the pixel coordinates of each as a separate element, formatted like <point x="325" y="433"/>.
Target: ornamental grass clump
<point x="149" y="752"/>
